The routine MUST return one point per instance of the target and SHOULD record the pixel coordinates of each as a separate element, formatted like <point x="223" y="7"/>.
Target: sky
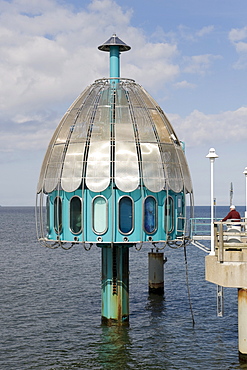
<point x="190" y="55"/>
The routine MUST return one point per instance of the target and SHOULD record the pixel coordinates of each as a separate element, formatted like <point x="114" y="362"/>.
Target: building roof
<point x="114" y="135"/>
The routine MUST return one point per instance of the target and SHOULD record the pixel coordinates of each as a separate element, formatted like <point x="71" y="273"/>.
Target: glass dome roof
<point x="114" y="134"/>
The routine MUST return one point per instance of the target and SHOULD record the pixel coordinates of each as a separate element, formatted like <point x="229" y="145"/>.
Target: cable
<point x="188" y="288"/>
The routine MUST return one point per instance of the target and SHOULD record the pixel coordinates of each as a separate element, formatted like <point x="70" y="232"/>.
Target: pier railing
<point x="200" y="228"/>
<point x="230" y="237"/>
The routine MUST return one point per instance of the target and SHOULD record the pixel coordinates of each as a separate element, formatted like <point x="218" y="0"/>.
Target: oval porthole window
<point x="75" y="215"/>
<point x="125" y="214"/>
<point x="150" y="215"/>
<point x="58" y="215"/>
<point x="100" y="215"/>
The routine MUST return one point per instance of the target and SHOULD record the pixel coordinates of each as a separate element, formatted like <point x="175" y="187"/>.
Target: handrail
<point x="200" y="226"/>
<point x="229" y="235"/>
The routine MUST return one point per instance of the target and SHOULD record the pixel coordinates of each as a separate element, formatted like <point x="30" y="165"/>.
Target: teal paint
<point x="180" y="215"/>
<point x="115" y="284"/>
<point x="114" y="63"/>
<point x="112" y="232"/>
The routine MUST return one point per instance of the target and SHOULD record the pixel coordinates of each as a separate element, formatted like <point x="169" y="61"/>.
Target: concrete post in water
<point x="242" y="324"/>
<point x="115" y="285"/>
<point x="156" y="272"/>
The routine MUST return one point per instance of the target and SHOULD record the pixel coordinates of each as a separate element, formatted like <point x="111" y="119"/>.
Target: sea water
<point x="50" y="308"/>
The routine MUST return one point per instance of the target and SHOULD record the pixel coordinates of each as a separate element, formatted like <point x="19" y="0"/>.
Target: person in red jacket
<point x="232" y="215"/>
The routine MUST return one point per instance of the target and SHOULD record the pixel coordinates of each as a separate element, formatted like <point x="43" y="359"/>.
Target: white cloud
<point x="237" y="37"/>
<point x="199" y="128"/>
<point x="152" y="69"/>
<point x="205" y="31"/>
<point x="188" y="34"/>
<point x="238" y="34"/>
<point x="241" y="47"/>
<point x="184" y="85"/>
<point x="48" y="55"/>
<point x="199" y="64"/>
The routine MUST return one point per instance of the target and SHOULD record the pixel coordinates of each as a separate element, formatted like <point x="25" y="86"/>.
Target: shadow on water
<point x="156" y="305"/>
<point x="114" y="349"/>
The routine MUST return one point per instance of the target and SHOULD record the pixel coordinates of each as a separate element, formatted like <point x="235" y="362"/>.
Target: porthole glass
<point x="75" y="215"/>
<point x="58" y="215"/>
<point x="125" y="222"/>
<point x="169" y="215"/>
<point x="100" y="215"/>
<point x="150" y="215"/>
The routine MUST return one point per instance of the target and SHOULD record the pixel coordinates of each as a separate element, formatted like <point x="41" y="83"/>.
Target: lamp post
<point x="212" y="155"/>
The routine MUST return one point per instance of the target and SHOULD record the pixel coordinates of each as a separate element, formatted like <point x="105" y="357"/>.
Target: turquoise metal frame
<point x="112" y="232"/>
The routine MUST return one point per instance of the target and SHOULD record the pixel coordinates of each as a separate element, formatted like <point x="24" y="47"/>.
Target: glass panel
<point x="72" y="167"/>
<point x="161" y="128"/>
<point x="169" y="215"/>
<point x="54" y="167"/>
<point x="150" y="212"/>
<point x="185" y="171"/>
<point x="172" y="167"/>
<point x="58" y="215"/>
<point x="125" y="215"/>
<point x="126" y="168"/>
<point x="100" y="215"/>
<point x="75" y="215"/>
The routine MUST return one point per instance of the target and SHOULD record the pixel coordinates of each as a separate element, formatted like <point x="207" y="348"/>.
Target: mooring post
<point x="115" y="285"/>
<point x="156" y="272"/>
<point x="242" y="324"/>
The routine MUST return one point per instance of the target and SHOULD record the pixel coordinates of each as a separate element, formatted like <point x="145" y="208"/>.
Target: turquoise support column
<point x="114" y="63"/>
<point x="114" y="46"/>
<point x="115" y="285"/>
<point x="115" y="257"/>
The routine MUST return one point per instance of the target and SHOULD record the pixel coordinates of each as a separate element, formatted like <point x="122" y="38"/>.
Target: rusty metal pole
<point x="242" y="324"/>
<point x="115" y="285"/>
<point x="156" y="272"/>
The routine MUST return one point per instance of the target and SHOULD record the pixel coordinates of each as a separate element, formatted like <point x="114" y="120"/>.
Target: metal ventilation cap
<point x="114" y="41"/>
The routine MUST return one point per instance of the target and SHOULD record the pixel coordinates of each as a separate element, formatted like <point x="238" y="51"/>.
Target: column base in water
<point x="156" y="272"/>
<point x="242" y="324"/>
<point x="115" y="285"/>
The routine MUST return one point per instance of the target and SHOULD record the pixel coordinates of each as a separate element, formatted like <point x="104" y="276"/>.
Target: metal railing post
<point x="221" y="243"/>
